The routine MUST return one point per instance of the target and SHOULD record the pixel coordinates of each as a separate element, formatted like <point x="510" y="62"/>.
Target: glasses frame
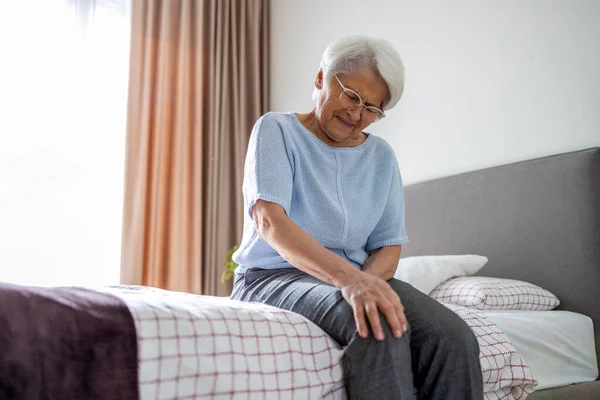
<point x="345" y="89"/>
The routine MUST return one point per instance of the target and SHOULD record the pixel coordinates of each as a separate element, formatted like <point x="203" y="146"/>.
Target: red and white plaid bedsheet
<point x="505" y="374"/>
<point x="206" y="347"/>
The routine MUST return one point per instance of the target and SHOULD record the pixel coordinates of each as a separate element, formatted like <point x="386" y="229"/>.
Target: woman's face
<point x="343" y="126"/>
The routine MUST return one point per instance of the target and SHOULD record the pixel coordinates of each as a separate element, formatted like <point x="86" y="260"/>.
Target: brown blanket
<point x="66" y="343"/>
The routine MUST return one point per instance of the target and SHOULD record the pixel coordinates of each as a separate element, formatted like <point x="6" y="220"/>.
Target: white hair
<point x="347" y="54"/>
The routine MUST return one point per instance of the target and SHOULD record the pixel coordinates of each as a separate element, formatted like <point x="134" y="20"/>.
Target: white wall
<point x="488" y="82"/>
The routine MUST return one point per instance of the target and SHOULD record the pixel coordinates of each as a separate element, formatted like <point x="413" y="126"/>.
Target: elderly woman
<point x="324" y="227"/>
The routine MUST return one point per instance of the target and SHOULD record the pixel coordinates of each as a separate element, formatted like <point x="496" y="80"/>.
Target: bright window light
<point x="63" y="102"/>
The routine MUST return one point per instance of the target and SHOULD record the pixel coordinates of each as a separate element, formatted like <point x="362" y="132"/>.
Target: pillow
<point x="427" y="272"/>
<point x="486" y="293"/>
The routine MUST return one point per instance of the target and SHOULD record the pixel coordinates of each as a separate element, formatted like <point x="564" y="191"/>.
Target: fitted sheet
<point x="557" y="345"/>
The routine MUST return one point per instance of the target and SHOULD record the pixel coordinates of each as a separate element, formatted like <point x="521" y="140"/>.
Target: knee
<point x="388" y="334"/>
<point x="341" y="322"/>
<point x="346" y="318"/>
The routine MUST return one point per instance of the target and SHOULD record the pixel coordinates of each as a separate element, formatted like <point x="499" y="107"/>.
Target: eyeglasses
<point x="350" y="99"/>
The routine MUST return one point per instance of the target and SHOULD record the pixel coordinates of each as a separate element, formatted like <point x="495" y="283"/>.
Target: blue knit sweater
<point x="350" y="199"/>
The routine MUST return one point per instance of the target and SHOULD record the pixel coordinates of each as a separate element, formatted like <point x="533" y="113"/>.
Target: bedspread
<point x="66" y="343"/>
<point x="506" y="375"/>
<point x="208" y="347"/>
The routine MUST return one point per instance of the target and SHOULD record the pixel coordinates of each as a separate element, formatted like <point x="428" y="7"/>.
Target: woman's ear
<point x="319" y="79"/>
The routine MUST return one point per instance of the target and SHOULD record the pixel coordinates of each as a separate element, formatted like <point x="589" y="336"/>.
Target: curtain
<point x="63" y="100"/>
<point x="198" y="82"/>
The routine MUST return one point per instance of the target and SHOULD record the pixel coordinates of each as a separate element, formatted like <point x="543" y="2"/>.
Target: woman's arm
<point x="298" y="247"/>
<point x="383" y="262"/>
<point x="367" y="294"/>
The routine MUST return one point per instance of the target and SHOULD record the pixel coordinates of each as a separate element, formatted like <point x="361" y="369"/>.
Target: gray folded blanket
<point x="66" y="343"/>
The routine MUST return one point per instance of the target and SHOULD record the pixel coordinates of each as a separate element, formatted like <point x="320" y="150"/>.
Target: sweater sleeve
<point x="267" y="171"/>
<point x="390" y="229"/>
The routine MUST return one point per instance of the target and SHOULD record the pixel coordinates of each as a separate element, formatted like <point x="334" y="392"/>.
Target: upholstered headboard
<point x="536" y="220"/>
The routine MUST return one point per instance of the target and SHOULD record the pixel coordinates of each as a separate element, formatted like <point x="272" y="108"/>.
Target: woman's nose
<point x="355" y="112"/>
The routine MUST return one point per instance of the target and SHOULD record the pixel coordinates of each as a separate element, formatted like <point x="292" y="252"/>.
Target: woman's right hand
<point x="369" y="295"/>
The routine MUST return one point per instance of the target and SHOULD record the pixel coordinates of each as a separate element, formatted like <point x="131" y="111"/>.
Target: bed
<point x="130" y="342"/>
<point x="558" y="346"/>
<point x="537" y="221"/>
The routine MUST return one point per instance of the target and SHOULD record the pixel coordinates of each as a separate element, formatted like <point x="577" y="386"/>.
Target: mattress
<point x="557" y="345"/>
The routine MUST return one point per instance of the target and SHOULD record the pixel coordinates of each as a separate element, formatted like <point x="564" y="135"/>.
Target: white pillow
<point x="485" y="293"/>
<point x="427" y="272"/>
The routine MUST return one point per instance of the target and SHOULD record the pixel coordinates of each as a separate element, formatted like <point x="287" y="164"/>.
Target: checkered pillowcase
<point x="486" y="293"/>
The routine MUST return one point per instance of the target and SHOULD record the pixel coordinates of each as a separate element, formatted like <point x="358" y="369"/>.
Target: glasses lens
<point x="349" y="99"/>
<point x="372" y="114"/>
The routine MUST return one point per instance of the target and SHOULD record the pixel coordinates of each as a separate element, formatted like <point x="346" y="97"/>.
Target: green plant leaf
<point x="229" y="265"/>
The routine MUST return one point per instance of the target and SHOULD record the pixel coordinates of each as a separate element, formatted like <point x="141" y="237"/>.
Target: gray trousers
<point x="438" y="355"/>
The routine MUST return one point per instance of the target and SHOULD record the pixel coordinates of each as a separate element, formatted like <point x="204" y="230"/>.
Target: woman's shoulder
<point x="282" y="120"/>
<point x="276" y="129"/>
<point x="279" y="126"/>
<point x="383" y="149"/>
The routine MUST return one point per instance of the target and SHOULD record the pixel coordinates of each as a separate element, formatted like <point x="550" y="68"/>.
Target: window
<point x="63" y="95"/>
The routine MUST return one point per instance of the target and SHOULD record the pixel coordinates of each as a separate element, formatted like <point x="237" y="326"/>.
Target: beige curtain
<point x="198" y="82"/>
